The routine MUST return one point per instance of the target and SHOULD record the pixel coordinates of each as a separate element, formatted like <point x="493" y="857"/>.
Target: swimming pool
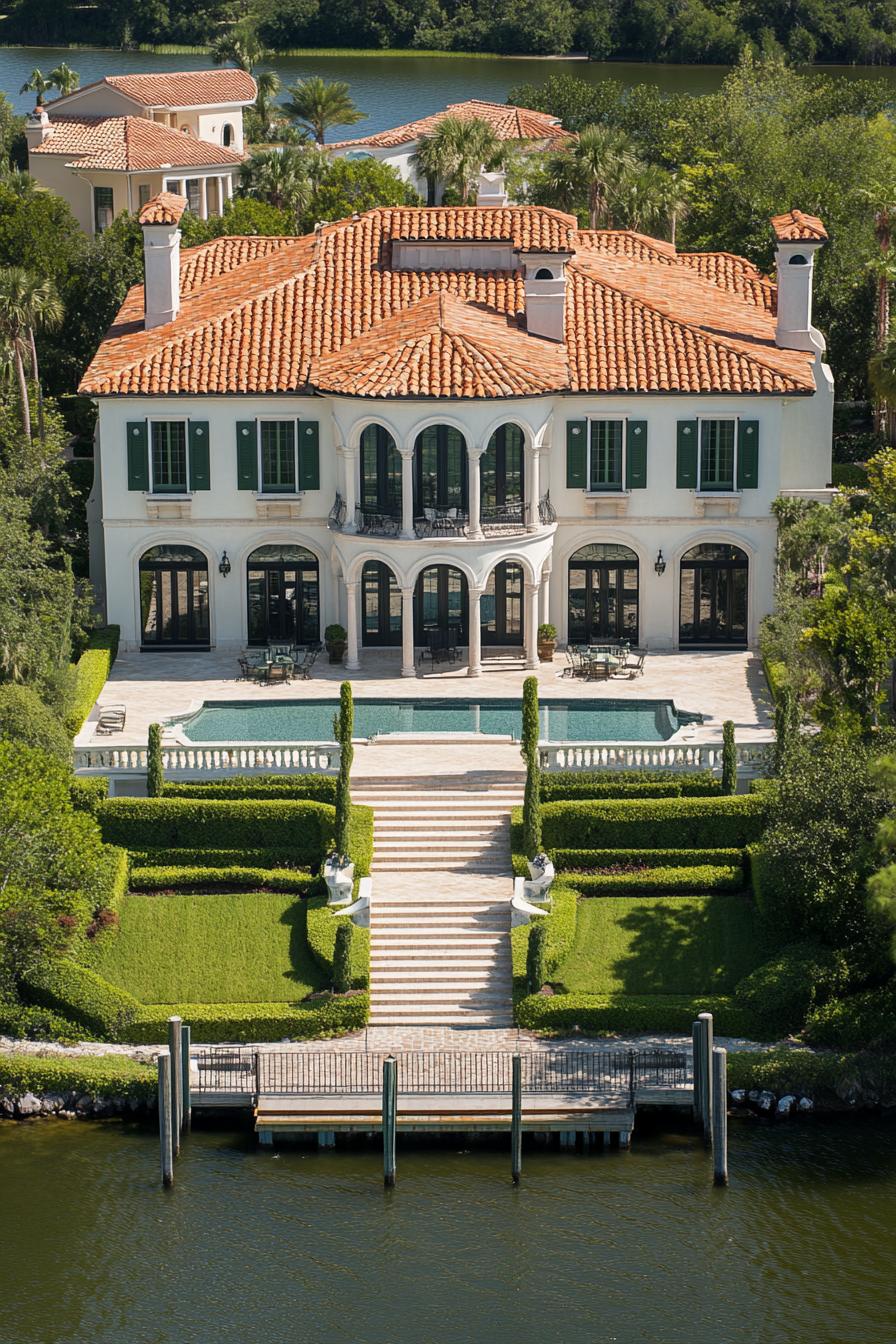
<point x="312" y="720"/>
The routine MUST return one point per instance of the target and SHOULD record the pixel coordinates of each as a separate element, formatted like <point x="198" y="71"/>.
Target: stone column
<point x="474" y="490"/>
<point x="532" y="523"/>
<point x="407" y="633"/>
<point x="545" y="596"/>
<point x="203" y="198"/>
<point x="407" y="493"/>
<point x="531" y="625"/>
<point x="228" y="187"/>
<point x="221" y="195"/>
<point x="474" y="666"/>
<point x="352" y="662"/>
<point x="350" y="458"/>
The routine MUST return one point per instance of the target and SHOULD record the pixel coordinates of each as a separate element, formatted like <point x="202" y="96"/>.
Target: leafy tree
<point x="317" y="105"/>
<point x="529" y="752"/>
<point x="536" y="956"/>
<point x="454" y="154"/>
<point x="882" y="884"/>
<point x="729" y="758"/>
<point x="37" y="606"/>
<point x="25" y="718"/>
<point x="350" y="185"/>
<point x="343" y="728"/>
<point x="282" y="178"/>
<point x="155" y="778"/>
<point x="342" y="957"/>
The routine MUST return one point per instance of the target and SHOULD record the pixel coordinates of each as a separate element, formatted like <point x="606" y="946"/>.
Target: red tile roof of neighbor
<point x="508" y="123"/>
<point x="133" y="144"/>
<point x="166" y="208"/>
<point x="187" y="88"/>
<point x="327" y="312"/>
<point x="794" y="226"/>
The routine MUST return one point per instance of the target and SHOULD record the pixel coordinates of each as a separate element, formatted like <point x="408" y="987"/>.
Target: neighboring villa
<point x="467" y="419"/>
<point x="115" y="144"/>
<point x="537" y="130"/>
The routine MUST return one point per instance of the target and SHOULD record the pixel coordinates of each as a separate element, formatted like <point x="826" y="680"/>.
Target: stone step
<point x="389" y="1018"/>
<point x="399" y="864"/>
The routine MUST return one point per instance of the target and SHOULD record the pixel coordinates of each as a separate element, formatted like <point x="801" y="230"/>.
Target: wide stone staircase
<point x="440" y="913"/>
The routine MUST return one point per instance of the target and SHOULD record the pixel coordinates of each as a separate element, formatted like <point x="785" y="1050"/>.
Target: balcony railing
<point x="441" y="523"/>
<point x="371" y="524"/>
<point x="547" y="514"/>
<point x="501" y="519"/>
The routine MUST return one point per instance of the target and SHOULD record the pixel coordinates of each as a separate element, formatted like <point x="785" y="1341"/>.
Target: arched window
<point x="381" y="605"/>
<point x="714" y="584"/>
<point x="502" y="474"/>
<point x="174" y="598"/>
<point x="603" y="594"/>
<point x="283" y="595"/>
<point x="441" y="475"/>
<point x="227" y="135"/>
<point x="380" y="463"/>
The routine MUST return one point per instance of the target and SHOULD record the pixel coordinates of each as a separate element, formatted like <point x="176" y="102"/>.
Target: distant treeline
<point x="847" y="31"/>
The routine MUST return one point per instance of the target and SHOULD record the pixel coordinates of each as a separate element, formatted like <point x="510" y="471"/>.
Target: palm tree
<point x="242" y="46"/>
<point x="882" y="377"/>
<point x="268" y="84"/>
<point x="456" y="152"/>
<point x="601" y="154"/>
<point x="27" y="304"/>
<point x="37" y="84"/>
<point x="64" y="79"/>
<point x="644" y="197"/>
<point x="882" y="198"/>
<point x="318" y="105"/>
<point x="285" y="178"/>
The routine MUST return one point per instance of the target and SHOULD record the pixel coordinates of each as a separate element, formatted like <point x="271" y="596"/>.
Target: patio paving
<point x="720" y="685"/>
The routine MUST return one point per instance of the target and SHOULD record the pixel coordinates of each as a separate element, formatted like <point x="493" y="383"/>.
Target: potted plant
<point x="547" y="639"/>
<point x="335" y="637"/>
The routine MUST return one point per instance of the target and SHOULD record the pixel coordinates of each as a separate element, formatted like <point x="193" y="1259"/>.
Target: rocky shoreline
<point x="71" y="1106"/>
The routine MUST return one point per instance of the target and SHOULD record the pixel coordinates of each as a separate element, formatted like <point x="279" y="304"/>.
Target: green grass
<point x="662" y="945"/>
<point x="244" y="947"/>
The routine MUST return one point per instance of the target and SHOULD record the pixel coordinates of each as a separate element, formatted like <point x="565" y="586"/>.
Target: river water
<point x="589" y="1249"/>
<point x="391" y="90"/>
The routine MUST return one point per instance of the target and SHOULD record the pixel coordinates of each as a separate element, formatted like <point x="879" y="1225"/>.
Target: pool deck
<point x="157" y="686"/>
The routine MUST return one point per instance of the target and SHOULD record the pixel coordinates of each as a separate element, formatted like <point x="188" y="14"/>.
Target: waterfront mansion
<point x="459" y="420"/>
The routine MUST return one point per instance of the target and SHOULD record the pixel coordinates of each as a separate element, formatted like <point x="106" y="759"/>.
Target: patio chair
<point x="111" y="719"/>
<point x="634" y="665"/>
<point x="597" y="669"/>
<point x="303" y="669"/>
<point x="279" y="651"/>
<point x="574" y="662"/>
<point x="247" y="669"/>
<point x="437" y="647"/>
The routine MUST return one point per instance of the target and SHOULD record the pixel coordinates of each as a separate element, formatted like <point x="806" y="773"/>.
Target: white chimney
<point x="492" y="189"/>
<point x="160" y="218"/>
<point x="798" y="238"/>
<point x="545" y="289"/>
<point x="37" y="128"/>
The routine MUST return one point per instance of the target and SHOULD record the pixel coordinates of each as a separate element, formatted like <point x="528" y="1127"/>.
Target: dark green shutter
<point x="636" y="455"/>
<point x="576" y="453"/>
<point x="138" y="455"/>
<point x="309" y="455"/>
<point x="686" y="455"/>
<point x="199" y="465"/>
<point x="747" y="454"/>
<point x="246" y="455"/>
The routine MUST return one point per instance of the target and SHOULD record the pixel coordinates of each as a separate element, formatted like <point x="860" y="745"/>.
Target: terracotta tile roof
<point x="328" y="312"/>
<point x="508" y="123"/>
<point x="734" y="274"/>
<point x="166" y="208"/>
<point x="537" y="229"/>
<point x="130" y="143"/>
<point x="795" y="226"/>
<point x="187" y="88"/>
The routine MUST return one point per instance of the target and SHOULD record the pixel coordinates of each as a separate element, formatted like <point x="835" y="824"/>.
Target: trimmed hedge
<point x="91" y="674"/>
<point x="83" y="996"/>
<point x="321" y="788"/>
<point x="28" y="1023"/>
<point x="655" y="881"/>
<point x="688" y="823"/>
<point x="781" y="992"/>
<point x="320" y="930"/>
<point x="219" y="858"/>
<point x="838" y="1081"/>
<point x="567" y="784"/>
<point x="98" y="1076"/>
<point x="564" y="860"/>
<point x="561" y="926"/>
<point x="231" y="878"/>
<point x="217" y="1023"/>
<point x="88" y="791"/>
<point x="604" y="1014"/>
<point x="360" y="838"/>
<point x="857" y="1021"/>
<point x="152" y="823"/>
<point x="775" y="676"/>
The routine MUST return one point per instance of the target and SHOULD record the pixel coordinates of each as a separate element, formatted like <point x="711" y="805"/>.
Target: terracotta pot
<point x="336" y="651"/>
<point x="546" y="650"/>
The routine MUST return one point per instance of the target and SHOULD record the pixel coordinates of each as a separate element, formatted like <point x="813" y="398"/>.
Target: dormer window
<point x="227" y="135"/>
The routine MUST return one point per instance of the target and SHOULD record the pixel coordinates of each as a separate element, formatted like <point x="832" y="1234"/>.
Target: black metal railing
<point x="547" y="514"/>
<point x="499" y="518"/>
<point x="441" y="523"/>
<point x="226" y="1070"/>
<point x="336" y="516"/>
<point x="372" y="524"/>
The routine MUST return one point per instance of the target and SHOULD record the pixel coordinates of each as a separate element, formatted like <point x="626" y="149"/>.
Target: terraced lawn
<point x="662" y="945"/>
<point x="244" y="947"/>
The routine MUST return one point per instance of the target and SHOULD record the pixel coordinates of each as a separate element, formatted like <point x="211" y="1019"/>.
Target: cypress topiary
<point x="537" y="957"/>
<point x="787" y="726"/>
<point x="729" y="758"/>
<point x="344" y="727"/>
<point x="529" y="751"/>
<point x="342" y="957"/>
<point x="155" y="777"/>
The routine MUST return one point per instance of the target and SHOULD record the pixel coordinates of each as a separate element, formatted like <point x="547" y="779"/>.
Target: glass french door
<point x="283" y="596"/>
<point x="174" y="611"/>
<point x="502" y="474"/>
<point x="440" y="603"/>
<point x="380" y="483"/>
<point x="381" y="620"/>
<point x="501" y="605"/>
<point x="603" y="595"/>
<point x="440" y="479"/>
<point x="714" y="587"/>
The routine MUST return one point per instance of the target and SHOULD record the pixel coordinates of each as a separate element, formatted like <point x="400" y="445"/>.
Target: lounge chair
<point x="111" y="719"/>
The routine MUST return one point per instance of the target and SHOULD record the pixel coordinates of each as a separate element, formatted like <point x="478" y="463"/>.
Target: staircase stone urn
<point x="541" y="874"/>
<point x="547" y="642"/>
<point x="339" y="875"/>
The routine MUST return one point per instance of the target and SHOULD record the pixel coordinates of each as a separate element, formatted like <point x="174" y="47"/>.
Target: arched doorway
<point x="380" y="483"/>
<point x="603" y="594"/>
<point x="501" y="606"/>
<point x="714" y="583"/>
<point x="440" y="603"/>
<point x="283" y="595"/>
<point x="174" y="598"/>
<point x="502" y="474"/>
<point x="381" y="606"/>
<point x="440" y="474"/>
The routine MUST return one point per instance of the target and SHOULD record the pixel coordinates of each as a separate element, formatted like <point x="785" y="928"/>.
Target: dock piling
<point x="516" y="1120"/>
<point x="390" y="1100"/>
<point x="720" y="1116"/>
<point x="697" y="1048"/>
<point x="186" y="1099"/>
<point x="706" y="1049"/>
<point x="176" y="1081"/>
<point x="166" y="1137"/>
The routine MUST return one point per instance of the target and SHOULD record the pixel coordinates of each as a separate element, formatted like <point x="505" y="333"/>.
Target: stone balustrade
<point x="753" y="758"/>
<point x="219" y="758"/>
